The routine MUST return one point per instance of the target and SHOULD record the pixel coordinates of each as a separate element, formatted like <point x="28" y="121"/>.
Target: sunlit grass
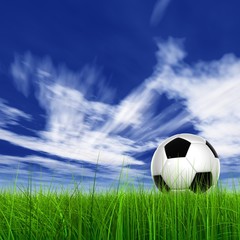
<point x="126" y="212"/>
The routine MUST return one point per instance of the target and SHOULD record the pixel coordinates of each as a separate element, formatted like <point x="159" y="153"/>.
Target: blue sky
<point x="109" y="80"/>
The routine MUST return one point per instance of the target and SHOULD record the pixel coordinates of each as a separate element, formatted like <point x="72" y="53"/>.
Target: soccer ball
<point x="185" y="161"/>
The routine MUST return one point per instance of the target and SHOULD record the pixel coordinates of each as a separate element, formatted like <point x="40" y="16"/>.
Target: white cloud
<point x="81" y="121"/>
<point x="79" y="127"/>
<point x="21" y="71"/>
<point x="208" y="90"/>
<point x="10" y="115"/>
<point x="158" y="11"/>
<point x="65" y="173"/>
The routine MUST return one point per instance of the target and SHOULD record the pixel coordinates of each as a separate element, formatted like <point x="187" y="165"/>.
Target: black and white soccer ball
<point x="185" y="161"/>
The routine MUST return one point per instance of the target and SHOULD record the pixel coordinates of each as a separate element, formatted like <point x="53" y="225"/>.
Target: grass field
<point x="127" y="213"/>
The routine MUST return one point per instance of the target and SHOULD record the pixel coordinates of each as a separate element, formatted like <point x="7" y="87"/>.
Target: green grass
<point x="124" y="213"/>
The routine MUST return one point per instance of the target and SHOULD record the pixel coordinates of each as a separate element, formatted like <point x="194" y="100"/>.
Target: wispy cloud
<point x="81" y="127"/>
<point x="10" y="115"/>
<point x="21" y="71"/>
<point x="82" y="120"/>
<point x="158" y="11"/>
<point x="208" y="90"/>
<point x="44" y="171"/>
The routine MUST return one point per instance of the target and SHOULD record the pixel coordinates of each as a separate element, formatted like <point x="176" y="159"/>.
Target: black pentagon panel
<point x="201" y="182"/>
<point x="177" y="148"/>
<point x="160" y="183"/>
<point x="212" y="149"/>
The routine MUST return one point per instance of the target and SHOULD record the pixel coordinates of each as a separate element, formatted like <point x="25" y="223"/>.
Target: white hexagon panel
<point x="178" y="173"/>
<point x="204" y="159"/>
